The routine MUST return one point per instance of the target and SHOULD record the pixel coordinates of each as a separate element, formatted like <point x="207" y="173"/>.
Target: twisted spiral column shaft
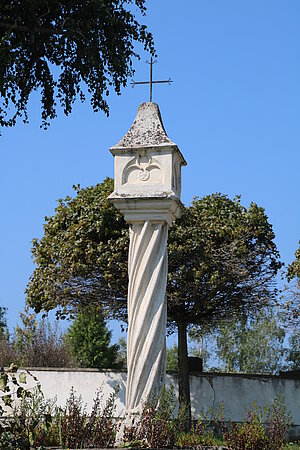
<point x="147" y="311"/>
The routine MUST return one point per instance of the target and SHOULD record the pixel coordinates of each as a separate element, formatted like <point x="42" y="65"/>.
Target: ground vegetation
<point x="34" y="422"/>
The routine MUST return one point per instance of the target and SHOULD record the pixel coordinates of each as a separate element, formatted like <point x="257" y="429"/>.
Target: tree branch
<point x="23" y="28"/>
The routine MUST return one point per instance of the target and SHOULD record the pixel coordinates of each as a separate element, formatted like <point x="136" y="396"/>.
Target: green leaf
<point x="56" y="55"/>
<point x="3" y="381"/>
<point x="22" y="377"/>
<point x="7" y="400"/>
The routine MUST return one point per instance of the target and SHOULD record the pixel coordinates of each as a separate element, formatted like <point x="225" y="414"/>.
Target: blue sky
<point x="233" y="109"/>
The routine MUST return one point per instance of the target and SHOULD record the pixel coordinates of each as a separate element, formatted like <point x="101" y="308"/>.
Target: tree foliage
<point x="90" y="338"/>
<point x="292" y="292"/>
<point x="63" y="49"/>
<point x="82" y="257"/>
<point x="222" y="258"/>
<point x="253" y="345"/>
<point x="172" y="358"/>
<point x="121" y="360"/>
<point x="6" y="350"/>
<point x="38" y="343"/>
<point x="293" y="351"/>
<point x="4" y="333"/>
<point x="294" y="268"/>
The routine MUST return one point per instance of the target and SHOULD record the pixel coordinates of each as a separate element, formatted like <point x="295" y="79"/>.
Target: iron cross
<point x="151" y="82"/>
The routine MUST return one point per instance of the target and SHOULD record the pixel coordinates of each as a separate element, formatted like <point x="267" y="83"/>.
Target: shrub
<point x="278" y="422"/>
<point x="30" y="421"/>
<point x="249" y="435"/>
<point x="77" y="429"/>
<point x="201" y="433"/>
<point x="24" y="411"/>
<point x="253" y="435"/>
<point x="156" y="426"/>
<point x="89" y="339"/>
<point x="7" y="353"/>
<point x="40" y="344"/>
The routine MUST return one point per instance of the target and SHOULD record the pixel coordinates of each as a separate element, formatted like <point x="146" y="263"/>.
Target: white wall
<point x="207" y="390"/>
<point x="237" y="392"/>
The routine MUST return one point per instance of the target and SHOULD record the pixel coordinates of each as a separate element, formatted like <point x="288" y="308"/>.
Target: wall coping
<point x="282" y="375"/>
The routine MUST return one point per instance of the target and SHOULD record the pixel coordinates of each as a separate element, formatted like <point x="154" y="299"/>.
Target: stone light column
<point x="147" y="192"/>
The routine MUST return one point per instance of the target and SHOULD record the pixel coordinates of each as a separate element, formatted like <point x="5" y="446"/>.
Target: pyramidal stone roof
<point x="147" y="130"/>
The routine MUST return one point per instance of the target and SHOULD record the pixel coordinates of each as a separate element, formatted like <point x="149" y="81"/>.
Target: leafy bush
<point x="199" y="435"/>
<point x="37" y="343"/>
<point x="249" y="435"/>
<point x="156" y="426"/>
<point x="253" y="435"/>
<point x="292" y="446"/>
<point x="29" y="421"/>
<point x="201" y="432"/>
<point x="77" y="429"/>
<point x="24" y="412"/>
<point x="278" y="422"/>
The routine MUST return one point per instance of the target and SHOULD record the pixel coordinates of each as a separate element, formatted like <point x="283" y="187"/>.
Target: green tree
<point x="294" y="268"/>
<point x="292" y="307"/>
<point x="121" y="359"/>
<point x="292" y="292"/>
<point x="37" y="343"/>
<point x="64" y="49"/>
<point x="24" y="334"/>
<point x="172" y="358"/>
<point x="251" y="345"/>
<point x="7" y="354"/>
<point x="4" y="333"/>
<point x="293" y="351"/>
<point x="222" y="261"/>
<point x="89" y="340"/>
<point x="82" y="257"/>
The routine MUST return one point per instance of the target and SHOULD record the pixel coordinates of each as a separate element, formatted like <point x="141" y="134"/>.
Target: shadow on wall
<point x="119" y="385"/>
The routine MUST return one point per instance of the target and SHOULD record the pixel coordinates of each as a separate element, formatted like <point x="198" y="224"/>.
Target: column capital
<point x="153" y="209"/>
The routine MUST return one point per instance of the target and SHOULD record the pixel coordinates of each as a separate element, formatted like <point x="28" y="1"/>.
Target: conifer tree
<point x="89" y="340"/>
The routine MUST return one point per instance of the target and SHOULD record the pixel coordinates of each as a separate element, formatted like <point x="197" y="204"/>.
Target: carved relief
<point x="142" y="169"/>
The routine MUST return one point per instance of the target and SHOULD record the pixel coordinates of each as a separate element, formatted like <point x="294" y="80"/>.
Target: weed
<point x="156" y="426"/>
<point x="278" y="422"/>
<point x="77" y="429"/>
<point x="253" y="435"/>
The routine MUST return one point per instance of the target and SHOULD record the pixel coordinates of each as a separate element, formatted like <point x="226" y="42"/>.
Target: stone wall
<point x="208" y="390"/>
